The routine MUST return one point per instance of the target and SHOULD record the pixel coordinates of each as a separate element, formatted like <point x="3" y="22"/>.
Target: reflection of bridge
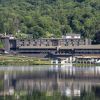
<point x="54" y="80"/>
<point x="57" y="83"/>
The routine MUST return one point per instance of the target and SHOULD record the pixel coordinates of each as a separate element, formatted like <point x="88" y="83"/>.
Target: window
<point x="22" y="44"/>
<point x="28" y="44"/>
<point x="34" y="44"/>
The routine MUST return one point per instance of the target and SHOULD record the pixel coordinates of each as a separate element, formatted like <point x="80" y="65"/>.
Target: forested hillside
<point x="44" y="18"/>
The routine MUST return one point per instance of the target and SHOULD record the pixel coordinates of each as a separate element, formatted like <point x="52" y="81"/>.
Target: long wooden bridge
<point x="51" y="47"/>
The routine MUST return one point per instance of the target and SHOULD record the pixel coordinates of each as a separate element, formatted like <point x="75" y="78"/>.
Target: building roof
<point x="72" y="34"/>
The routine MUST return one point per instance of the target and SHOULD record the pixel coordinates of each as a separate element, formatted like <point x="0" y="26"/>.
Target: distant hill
<point x="44" y="18"/>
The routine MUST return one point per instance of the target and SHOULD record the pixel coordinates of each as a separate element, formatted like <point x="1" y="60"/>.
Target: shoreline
<point x="10" y="60"/>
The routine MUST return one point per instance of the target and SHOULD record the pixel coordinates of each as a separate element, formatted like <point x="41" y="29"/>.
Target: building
<point x="68" y="40"/>
<point x="69" y="45"/>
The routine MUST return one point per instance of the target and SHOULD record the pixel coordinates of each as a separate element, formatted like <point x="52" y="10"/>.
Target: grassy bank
<point x="85" y="64"/>
<point x="22" y="60"/>
<point x="28" y="61"/>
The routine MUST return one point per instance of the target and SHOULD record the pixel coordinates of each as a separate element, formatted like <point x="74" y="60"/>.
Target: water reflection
<point x="69" y="81"/>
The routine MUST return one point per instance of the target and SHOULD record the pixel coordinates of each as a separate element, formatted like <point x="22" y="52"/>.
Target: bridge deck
<point x="89" y="56"/>
<point x="62" y="47"/>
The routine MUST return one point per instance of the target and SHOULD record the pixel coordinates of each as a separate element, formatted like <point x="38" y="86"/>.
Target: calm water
<point x="68" y="81"/>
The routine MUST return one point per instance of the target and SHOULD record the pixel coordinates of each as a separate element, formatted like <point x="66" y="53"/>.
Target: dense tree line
<point x="46" y="18"/>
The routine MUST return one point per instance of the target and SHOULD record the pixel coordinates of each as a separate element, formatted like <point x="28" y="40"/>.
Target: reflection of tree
<point x="36" y="95"/>
<point x="88" y="96"/>
<point x="1" y="85"/>
<point x="1" y="44"/>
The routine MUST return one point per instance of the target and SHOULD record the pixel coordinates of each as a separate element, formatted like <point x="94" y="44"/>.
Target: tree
<point x="40" y="17"/>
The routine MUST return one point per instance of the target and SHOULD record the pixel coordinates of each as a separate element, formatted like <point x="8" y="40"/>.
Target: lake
<point x="67" y="81"/>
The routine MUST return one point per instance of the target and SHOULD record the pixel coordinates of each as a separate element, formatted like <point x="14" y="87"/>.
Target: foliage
<point x="57" y="17"/>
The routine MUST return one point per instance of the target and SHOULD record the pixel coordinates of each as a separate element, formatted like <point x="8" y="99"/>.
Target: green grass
<point x="85" y="64"/>
<point x="26" y="61"/>
<point x="20" y="60"/>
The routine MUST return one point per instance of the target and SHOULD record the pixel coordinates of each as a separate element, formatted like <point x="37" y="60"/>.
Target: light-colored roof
<point x="72" y="34"/>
